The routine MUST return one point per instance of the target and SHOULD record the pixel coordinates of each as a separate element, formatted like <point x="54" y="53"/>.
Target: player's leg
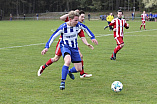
<point x="110" y="27"/>
<point x="58" y="54"/>
<point x="66" y="52"/>
<point x="65" y="69"/>
<point x="144" y="23"/>
<point x="82" y="73"/>
<point x="120" y="45"/>
<point x="141" y="25"/>
<point x="49" y="62"/>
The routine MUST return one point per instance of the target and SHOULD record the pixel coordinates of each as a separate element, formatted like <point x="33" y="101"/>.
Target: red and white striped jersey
<point x="119" y="24"/>
<point x="143" y="16"/>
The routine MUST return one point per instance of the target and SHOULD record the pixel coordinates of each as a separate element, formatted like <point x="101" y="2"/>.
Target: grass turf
<point x="20" y="59"/>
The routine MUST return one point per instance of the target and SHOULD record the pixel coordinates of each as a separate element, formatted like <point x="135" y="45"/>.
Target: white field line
<point x="100" y="35"/>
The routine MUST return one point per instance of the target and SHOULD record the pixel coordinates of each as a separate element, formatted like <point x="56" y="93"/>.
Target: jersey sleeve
<point x="67" y="19"/>
<point x="53" y="36"/>
<point x="125" y="24"/>
<point x="81" y="33"/>
<point x="112" y="22"/>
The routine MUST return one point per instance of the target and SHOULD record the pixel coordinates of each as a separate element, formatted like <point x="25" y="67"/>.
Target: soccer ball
<point x="117" y="86"/>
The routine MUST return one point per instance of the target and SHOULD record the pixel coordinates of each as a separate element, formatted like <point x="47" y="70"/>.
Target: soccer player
<point x="118" y="25"/>
<point x="143" y="16"/>
<point x="69" y="46"/>
<point x="109" y="19"/>
<point x="58" y="53"/>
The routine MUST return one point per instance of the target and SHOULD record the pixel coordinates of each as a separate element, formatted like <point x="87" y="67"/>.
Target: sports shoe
<point x="114" y="55"/>
<point x="85" y="75"/>
<point x="40" y="71"/>
<point x="105" y="27"/>
<point x="71" y="75"/>
<point x="62" y="86"/>
<point x="112" y="58"/>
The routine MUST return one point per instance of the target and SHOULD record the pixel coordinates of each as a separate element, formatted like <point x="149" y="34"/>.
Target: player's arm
<point x="126" y="26"/>
<point x="89" y="33"/>
<point x="82" y="36"/>
<point x="50" y="41"/>
<point x="86" y="43"/>
<point x="63" y="18"/>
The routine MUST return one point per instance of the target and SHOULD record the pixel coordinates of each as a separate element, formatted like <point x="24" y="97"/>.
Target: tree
<point x="149" y="3"/>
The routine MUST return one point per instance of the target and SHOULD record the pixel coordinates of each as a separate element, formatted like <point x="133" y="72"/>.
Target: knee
<point x="67" y="62"/>
<point x="55" y="59"/>
<point x="122" y="45"/>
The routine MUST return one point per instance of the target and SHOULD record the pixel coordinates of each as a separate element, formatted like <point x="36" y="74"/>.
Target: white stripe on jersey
<point x="119" y="27"/>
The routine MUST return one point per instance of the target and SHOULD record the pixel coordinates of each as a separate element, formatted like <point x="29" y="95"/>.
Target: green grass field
<point x="136" y="66"/>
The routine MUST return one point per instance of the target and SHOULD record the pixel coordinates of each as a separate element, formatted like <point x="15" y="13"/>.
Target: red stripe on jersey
<point x="119" y="25"/>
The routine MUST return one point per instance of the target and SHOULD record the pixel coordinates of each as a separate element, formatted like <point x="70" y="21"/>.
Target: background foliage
<point x="18" y="7"/>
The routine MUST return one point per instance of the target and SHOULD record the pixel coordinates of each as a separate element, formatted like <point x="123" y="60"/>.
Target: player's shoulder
<point x="115" y="19"/>
<point x="64" y="25"/>
<point x="79" y="24"/>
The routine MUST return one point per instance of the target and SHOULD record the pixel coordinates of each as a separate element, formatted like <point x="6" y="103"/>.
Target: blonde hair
<point x="72" y="14"/>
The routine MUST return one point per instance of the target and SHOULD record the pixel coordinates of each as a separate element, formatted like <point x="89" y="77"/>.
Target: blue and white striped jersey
<point x="69" y="35"/>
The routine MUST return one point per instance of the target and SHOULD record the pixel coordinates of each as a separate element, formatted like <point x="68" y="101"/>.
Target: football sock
<point x="144" y="26"/>
<point x="49" y="62"/>
<point x="117" y="48"/>
<point x="64" y="72"/>
<point x="73" y="70"/>
<point x="82" y="72"/>
<point x="141" y="25"/>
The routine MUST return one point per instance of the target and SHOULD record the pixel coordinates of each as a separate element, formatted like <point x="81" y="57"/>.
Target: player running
<point x="118" y="25"/>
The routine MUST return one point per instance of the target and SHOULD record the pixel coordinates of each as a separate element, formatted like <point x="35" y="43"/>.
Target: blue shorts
<point x="74" y="53"/>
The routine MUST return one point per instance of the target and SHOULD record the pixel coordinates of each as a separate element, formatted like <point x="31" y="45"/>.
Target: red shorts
<point x="58" y="50"/>
<point x="119" y="40"/>
<point x="143" y="22"/>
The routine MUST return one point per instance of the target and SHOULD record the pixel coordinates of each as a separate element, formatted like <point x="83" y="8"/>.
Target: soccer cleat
<point x="105" y="27"/>
<point x="85" y="75"/>
<point x="40" y="71"/>
<point x="114" y="55"/>
<point x="71" y="75"/>
<point x="144" y="29"/>
<point x="62" y="86"/>
<point x="112" y="58"/>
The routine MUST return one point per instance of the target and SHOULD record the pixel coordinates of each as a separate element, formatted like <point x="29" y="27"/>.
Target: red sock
<point x="117" y="48"/>
<point x="49" y="62"/>
<point x="144" y="26"/>
<point x="141" y="25"/>
<point x="82" y="68"/>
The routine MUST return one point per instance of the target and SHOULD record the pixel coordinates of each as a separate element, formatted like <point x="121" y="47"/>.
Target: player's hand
<point x="95" y="41"/>
<point x="105" y="27"/>
<point x="90" y="46"/>
<point x="127" y="25"/>
<point x="44" y="51"/>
